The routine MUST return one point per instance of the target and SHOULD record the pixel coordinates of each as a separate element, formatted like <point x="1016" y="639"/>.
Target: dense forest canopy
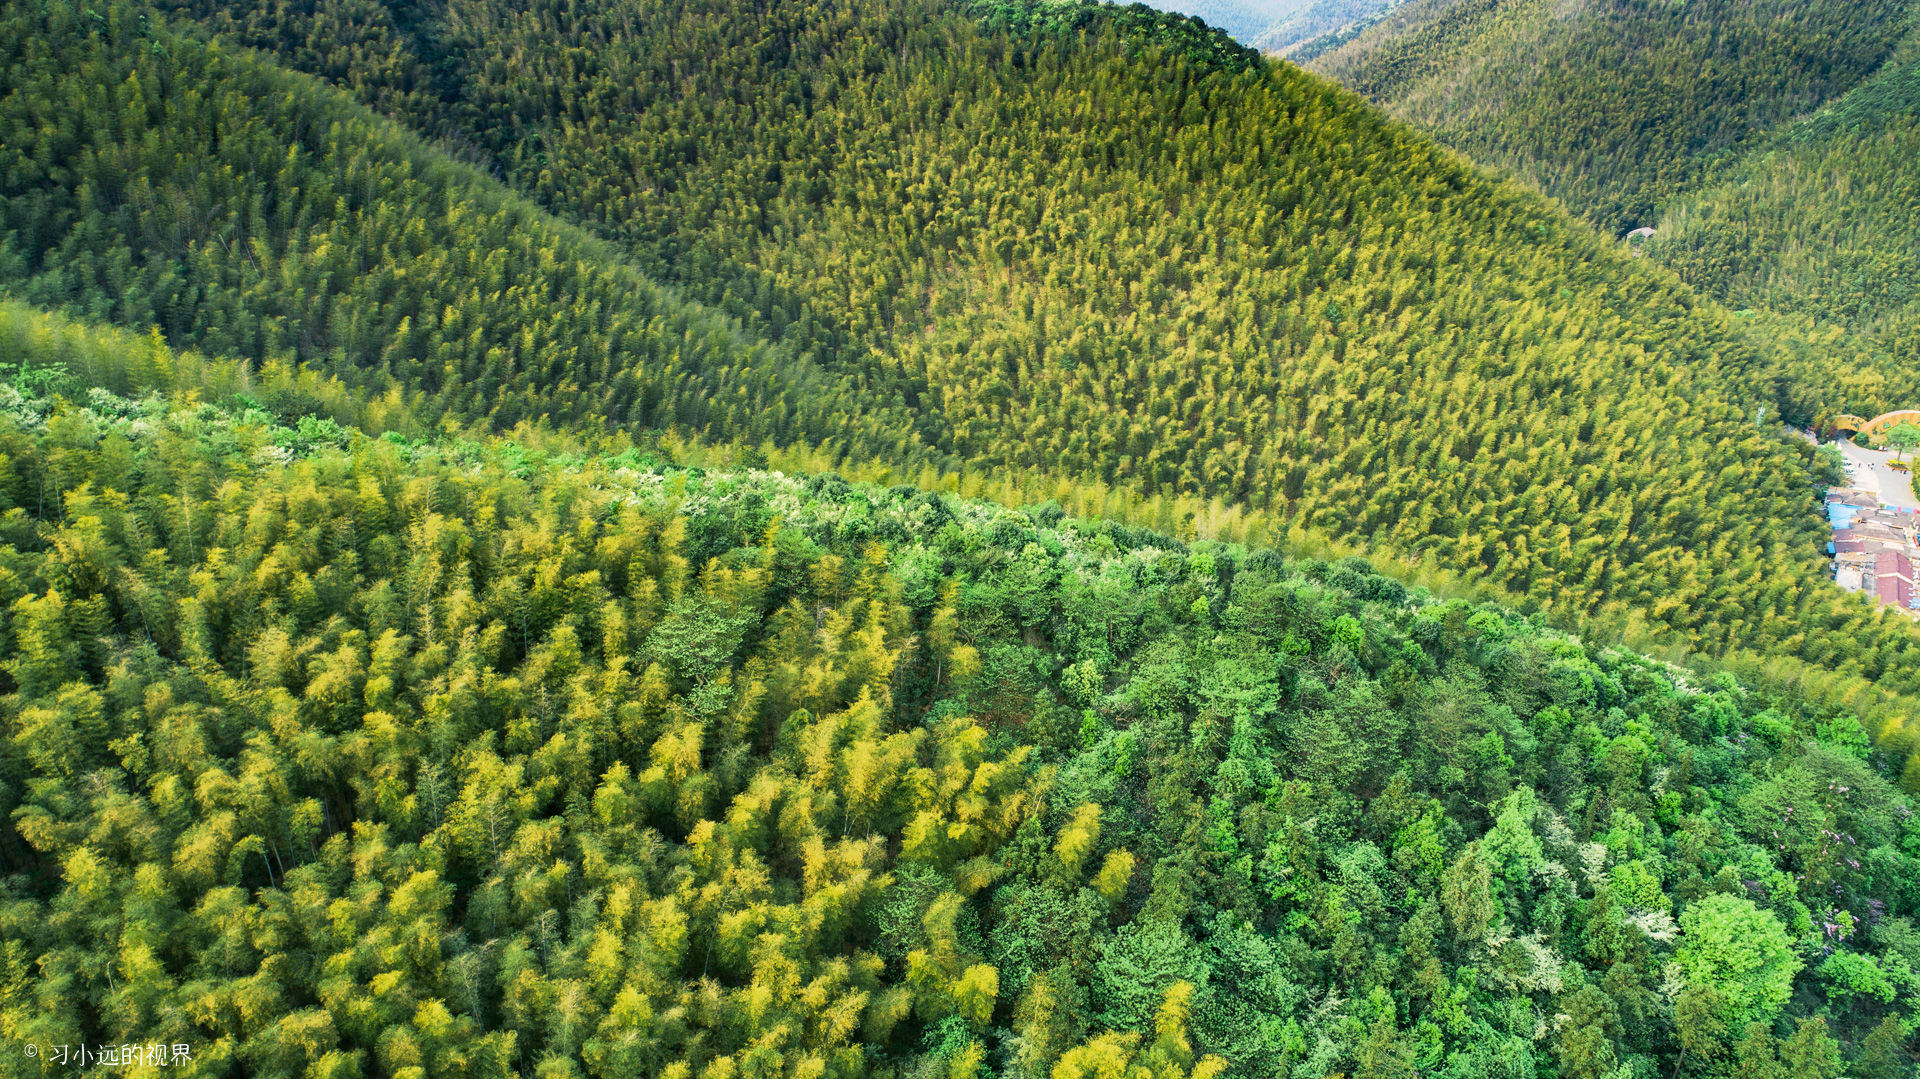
<point x="1768" y="144"/>
<point x="154" y="181"/>
<point x="1006" y="237"/>
<point x="337" y="755"/>
<point x="1822" y="223"/>
<point x="391" y="686"/>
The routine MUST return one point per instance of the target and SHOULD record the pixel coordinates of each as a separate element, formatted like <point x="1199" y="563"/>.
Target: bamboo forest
<point x="958" y="539"/>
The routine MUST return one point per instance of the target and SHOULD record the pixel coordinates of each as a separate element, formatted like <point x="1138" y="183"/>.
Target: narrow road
<point x="1867" y="469"/>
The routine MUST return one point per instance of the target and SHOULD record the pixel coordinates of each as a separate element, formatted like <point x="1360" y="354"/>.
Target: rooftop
<point x="1893" y="591"/>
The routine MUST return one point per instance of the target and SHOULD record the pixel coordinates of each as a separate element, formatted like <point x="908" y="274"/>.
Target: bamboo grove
<point x="937" y="245"/>
<point x="386" y="691"/>
<point x="1820" y="225"/>
<point x="333" y="755"/>
<point x="1768" y="144"/>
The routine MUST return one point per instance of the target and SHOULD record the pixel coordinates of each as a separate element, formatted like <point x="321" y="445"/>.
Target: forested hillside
<point x="1614" y="106"/>
<point x="1243" y="20"/>
<point x="332" y="755"/>
<point x="156" y="182"/>
<point x="1004" y="238"/>
<point x="1822" y="223"/>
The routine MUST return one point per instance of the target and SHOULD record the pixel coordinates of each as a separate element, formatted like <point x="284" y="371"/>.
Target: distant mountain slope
<point x="1613" y="105"/>
<point x="1245" y="20"/>
<point x="1321" y="25"/>
<point x="1278" y="26"/>
<point x="1822" y="222"/>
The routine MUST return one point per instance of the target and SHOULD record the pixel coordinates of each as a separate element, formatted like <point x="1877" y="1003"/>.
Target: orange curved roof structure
<point x="1878" y="423"/>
